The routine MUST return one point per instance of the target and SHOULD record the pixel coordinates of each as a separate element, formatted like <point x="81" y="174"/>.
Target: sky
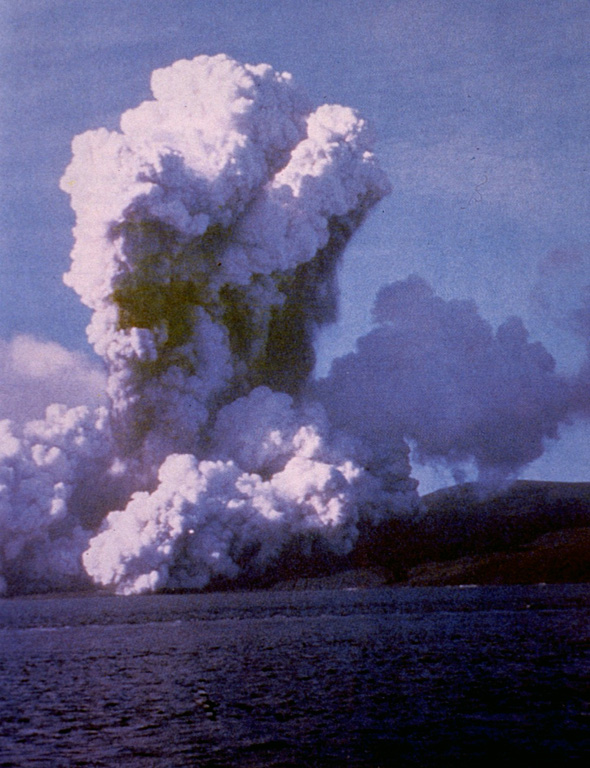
<point x="481" y="116"/>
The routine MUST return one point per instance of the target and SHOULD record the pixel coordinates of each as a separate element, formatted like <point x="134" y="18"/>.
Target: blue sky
<point x="480" y="109"/>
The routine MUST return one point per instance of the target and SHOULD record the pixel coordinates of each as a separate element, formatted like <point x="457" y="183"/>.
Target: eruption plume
<point x="208" y="230"/>
<point x="208" y="233"/>
<point x="206" y="239"/>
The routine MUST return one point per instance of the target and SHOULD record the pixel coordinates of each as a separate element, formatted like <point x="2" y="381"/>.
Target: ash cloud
<point x="208" y="233"/>
<point x="445" y="380"/>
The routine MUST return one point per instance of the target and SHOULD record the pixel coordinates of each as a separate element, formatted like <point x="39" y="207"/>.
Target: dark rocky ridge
<point x="529" y="533"/>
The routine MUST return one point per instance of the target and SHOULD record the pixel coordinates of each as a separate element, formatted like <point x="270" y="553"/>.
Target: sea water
<point x="382" y="677"/>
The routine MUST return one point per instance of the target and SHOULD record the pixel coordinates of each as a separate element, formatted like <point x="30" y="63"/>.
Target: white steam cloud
<point x="208" y="232"/>
<point x="207" y="235"/>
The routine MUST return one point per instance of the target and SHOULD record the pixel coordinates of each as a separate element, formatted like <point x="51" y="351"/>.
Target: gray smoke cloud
<point x="445" y="380"/>
<point x="208" y="233"/>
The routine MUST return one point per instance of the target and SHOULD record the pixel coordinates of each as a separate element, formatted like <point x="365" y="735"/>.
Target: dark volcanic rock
<point x="561" y="557"/>
<point x="531" y="532"/>
<point x="462" y="520"/>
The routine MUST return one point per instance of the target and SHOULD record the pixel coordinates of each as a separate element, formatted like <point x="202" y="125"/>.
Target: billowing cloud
<point x="435" y="372"/>
<point x="208" y="230"/>
<point x="206" y="240"/>
<point x="46" y="468"/>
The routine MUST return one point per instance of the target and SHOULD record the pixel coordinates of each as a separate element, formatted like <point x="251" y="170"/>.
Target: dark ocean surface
<point x="383" y="677"/>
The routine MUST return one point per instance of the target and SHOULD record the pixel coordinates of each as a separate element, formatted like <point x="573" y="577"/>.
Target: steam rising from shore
<point x="208" y="233"/>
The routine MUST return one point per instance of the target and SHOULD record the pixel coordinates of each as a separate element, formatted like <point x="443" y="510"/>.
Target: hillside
<point x="531" y="532"/>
